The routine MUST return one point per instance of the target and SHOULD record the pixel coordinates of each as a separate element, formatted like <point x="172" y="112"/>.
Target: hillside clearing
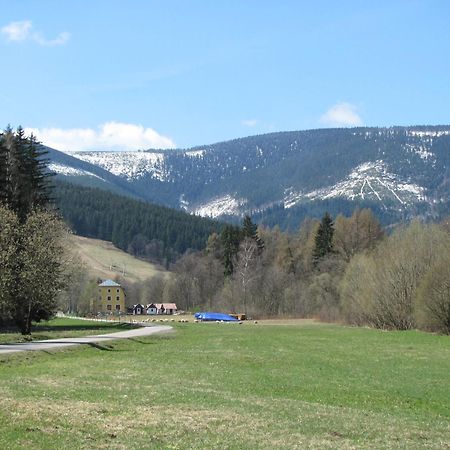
<point x="103" y="260"/>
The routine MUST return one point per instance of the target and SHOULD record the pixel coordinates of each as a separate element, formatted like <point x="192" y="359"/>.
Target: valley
<point x="225" y="225"/>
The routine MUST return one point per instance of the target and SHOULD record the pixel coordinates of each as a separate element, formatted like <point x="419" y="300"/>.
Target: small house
<point x="166" y="308"/>
<point x="152" y="309"/>
<point x="139" y="309"/>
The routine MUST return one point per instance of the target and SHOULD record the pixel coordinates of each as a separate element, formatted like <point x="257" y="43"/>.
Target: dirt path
<point x="52" y="344"/>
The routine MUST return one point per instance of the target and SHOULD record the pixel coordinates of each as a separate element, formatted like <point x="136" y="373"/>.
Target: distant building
<point x="152" y="309"/>
<point x="139" y="309"/>
<point x="110" y="298"/>
<point x="161" y="308"/>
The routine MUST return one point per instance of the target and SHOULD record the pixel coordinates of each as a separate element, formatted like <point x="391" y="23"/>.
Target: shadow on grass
<point x="95" y="326"/>
<point x="141" y="342"/>
<point x="47" y="332"/>
<point x="107" y="348"/>
<point x="99" y="326"/>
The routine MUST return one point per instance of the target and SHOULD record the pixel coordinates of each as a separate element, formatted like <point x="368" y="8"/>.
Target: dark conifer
<point x="324" y="238"/>
<point x="230" y="237"/>
<point x="3" y="170"/>
<point x="38" y="173"/>
<point x="250" y="230"/>
<point x="23" y="174"/>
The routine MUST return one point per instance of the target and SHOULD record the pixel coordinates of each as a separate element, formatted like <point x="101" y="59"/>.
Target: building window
<point x="118" y="290"/>
<point x="109" y="298"/>
<point x="117" y="307"/>
<point x="109" y="290"/>
<point x="118" y="298"/>
<point x="108" y="307"/>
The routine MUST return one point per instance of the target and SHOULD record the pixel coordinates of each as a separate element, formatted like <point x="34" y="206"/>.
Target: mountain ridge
<point x="405" y="170"/>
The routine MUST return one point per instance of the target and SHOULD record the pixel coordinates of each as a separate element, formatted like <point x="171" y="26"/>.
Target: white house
<point x="161" y="308"/>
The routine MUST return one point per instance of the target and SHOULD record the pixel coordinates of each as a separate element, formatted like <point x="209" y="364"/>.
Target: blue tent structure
<point x="213" y="316"/>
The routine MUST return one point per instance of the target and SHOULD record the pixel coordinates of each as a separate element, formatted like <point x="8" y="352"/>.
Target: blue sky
<point x="138" y="74"/>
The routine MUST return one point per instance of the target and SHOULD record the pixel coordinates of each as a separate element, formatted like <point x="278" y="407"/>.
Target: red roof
<point x="166" y="305"/>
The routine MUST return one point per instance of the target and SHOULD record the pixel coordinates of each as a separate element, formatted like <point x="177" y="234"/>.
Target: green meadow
<point x="227" y="386"/>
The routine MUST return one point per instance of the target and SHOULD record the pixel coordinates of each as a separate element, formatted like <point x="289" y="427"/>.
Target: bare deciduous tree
<point x="245" y="271"/>
<point x="433" y="298"/>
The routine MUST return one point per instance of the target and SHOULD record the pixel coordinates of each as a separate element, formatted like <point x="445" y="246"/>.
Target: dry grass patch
<point x="83" y="424"/>
<point x="106" y="261"/>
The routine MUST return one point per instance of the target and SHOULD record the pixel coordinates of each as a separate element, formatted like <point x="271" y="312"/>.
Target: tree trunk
<point x="24" y="325"/>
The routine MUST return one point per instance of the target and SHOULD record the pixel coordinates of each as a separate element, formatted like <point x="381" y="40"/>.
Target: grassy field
<point x="227" y="386"/>
<point x="62" y="327"/>
<point x="106" y="261"/>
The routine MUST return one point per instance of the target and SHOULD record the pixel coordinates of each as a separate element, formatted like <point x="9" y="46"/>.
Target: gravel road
<point x="52" y="344"/>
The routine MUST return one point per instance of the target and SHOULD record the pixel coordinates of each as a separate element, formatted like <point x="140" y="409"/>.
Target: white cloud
<point x="17" y="31"/>
<point x="108" y="136"/>
<point x="249" y="122"/>
<point x="342" y="115"/>
<point x="61" y="39"/>
<point x="23" y="31"/>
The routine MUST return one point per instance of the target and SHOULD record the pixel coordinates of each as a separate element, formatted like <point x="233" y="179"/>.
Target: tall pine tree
<point x="324" y="238"/>
<point x="250" y="230"/>
<point x="24" y="179"/>
<point x="231" y="238"/>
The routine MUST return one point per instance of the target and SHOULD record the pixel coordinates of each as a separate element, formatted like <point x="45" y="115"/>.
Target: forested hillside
<point x="142" y="229"/>
<point x="399" y="172"/>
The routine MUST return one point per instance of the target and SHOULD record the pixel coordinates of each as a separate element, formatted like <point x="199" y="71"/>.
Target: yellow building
<point x="110" y="299"/>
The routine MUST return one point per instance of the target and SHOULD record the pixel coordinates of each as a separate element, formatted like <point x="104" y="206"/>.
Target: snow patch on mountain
<point x="184" y="204"/>
<point x="129" y="165"/>
<point x="368" y="181"/>
<point x="421" y="150"/>
<point x="226" y="205"/>
<point x="195" y="153"/>
<point x="428" y="133"/>
<point x="61" y="169"/>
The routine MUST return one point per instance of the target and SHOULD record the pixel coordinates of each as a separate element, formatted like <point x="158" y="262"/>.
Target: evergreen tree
<point x="231" y="238"/>
<point x="3" y="169"/>
<point x="250" y="230"/>
<point x="36" y="169"/>
<point x="23" y="174"/>
<point x="324" y="238"/>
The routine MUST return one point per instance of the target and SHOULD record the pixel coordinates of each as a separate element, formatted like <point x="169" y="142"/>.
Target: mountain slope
<point x="103" y="260"/>
<point x="401" y="171"/>
<point x="145" y="230"/>
<point x="67" y="168"/>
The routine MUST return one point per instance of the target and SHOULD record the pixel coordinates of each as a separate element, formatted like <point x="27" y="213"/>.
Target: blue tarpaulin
<point x="205" y="316"/>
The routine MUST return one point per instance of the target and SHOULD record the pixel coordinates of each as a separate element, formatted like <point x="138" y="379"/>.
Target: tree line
<point x="31" y="235"/>
<point x="347" y="269"/>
